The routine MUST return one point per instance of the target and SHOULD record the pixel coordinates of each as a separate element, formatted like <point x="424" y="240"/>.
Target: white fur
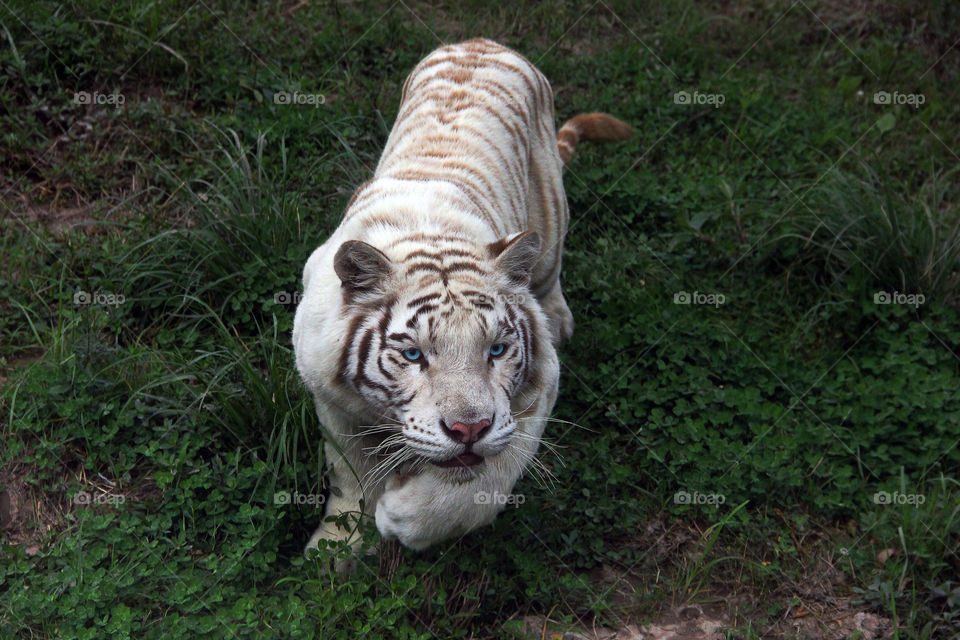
<point x="420" y="503"/>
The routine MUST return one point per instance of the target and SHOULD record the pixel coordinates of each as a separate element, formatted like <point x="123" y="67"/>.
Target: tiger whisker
<point x="527" y="461"/>
<point x="383" y="469"/>
<point x="552" y="447"/>
<point x="377" y="428"/>
<point x="525" y="409"/>
<point x="385" y="460"/>
<point x="388" y="443"/>
<point x="547" y="478"/>
<point x="558" y="420"/>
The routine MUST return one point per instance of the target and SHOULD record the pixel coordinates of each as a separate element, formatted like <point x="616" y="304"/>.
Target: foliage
<point x="782" y="400"/>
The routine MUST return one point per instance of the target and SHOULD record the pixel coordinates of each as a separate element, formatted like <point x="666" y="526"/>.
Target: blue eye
<point x="412" y="354"/>
<point x="497" y="350"/>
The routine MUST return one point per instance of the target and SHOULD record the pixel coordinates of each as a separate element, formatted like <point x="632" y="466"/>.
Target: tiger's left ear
<point x="516" y="255"/>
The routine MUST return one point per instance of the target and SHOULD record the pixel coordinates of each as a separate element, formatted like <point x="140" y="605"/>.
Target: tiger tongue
<point x="467" y="459"/>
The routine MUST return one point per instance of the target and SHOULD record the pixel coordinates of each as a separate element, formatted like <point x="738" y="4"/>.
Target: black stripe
<point x="427" y="308"/>
<point x="386" y="374"/>
<point x="363" y="350"/>
<point x="352" y="329"/>
<point x="464" y="266"/>
<point x="420" y="253"/>
<point x="418" y="301"/>
<point x="424" y="266"/>
<point x="403" y="401"/>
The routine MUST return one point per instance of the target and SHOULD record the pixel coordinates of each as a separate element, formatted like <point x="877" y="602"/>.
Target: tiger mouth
<point x="466" y="459"/>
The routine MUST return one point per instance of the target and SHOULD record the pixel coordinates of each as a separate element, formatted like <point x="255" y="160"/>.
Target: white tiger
<point x="429" y="318"/>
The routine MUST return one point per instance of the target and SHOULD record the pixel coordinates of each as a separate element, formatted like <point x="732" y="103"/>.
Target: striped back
<point x="473" y="154"/>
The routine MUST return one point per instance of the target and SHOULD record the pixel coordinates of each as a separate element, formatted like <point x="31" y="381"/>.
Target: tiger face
<point x="442" y="343"/>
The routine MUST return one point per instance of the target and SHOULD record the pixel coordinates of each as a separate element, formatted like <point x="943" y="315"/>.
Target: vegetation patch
<point x="758" y="420"/>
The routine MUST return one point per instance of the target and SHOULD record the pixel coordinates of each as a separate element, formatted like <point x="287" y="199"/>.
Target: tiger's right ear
<point x="516" y="256"/>
<point x="362" y="268"/>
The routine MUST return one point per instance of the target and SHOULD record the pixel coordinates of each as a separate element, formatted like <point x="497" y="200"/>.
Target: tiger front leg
<point x="424" y="509"/>
<point x="344" y="506"/>
<point x="342" y="529"/>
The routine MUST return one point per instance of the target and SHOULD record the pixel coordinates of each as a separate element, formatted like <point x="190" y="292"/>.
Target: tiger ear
<point x="516" y="255"/>
<point x="362" y="268"/>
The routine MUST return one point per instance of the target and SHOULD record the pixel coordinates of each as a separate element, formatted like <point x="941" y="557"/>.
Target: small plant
<point x="862" y="229"/>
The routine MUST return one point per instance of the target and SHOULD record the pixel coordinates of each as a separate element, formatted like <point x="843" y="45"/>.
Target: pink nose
<point x="467" y="433"/>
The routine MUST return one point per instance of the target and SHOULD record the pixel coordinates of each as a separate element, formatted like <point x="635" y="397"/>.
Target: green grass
<point x="798" y="399"/>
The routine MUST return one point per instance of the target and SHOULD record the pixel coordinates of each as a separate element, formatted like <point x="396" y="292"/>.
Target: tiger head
<point x="444" y="341"/>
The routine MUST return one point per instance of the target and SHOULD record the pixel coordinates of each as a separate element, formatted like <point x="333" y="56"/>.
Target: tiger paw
<point x="342" y="548"/>
<point x="413" y="511"/>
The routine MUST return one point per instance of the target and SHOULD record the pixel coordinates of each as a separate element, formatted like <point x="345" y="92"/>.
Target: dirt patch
<point x="29" y="515"/>
<point x="704" y="622"/>
<point x="58" y="220"/>
<point x="807" y="598"/>
<point x="689" y="622"/>
<point x="843" y="623"/>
